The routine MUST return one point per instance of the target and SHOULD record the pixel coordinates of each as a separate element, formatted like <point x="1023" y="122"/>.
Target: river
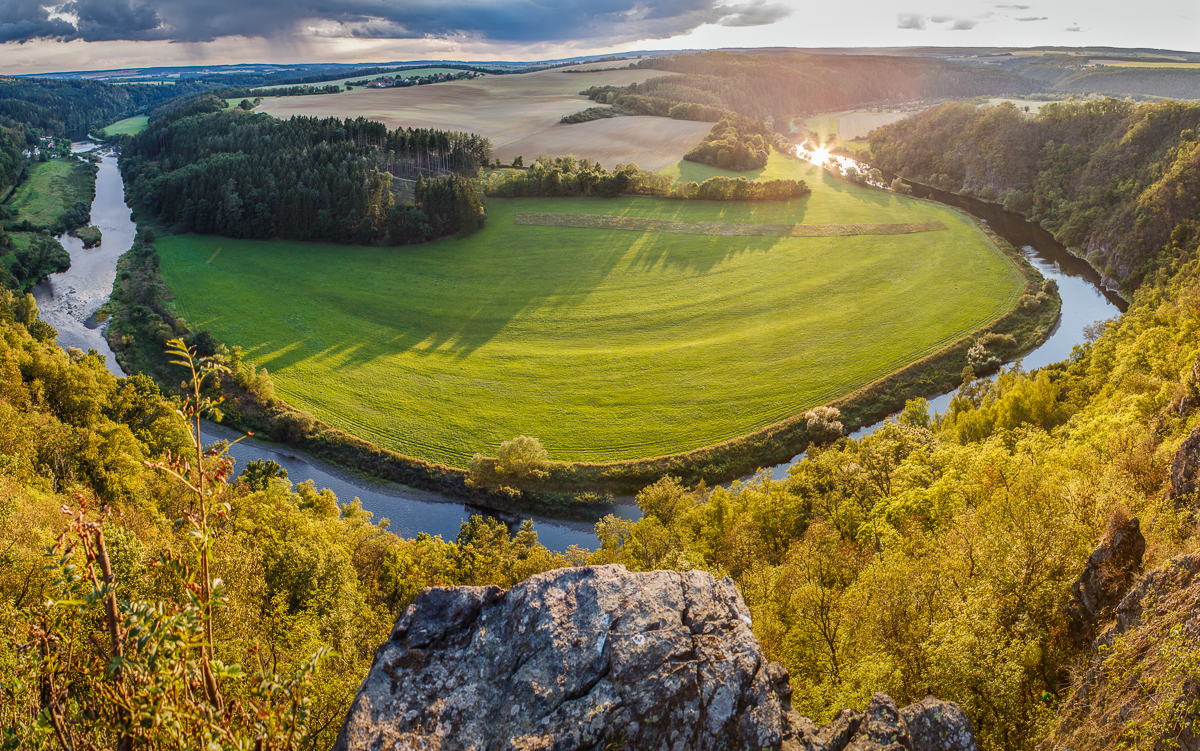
<point x="69" y="302"/>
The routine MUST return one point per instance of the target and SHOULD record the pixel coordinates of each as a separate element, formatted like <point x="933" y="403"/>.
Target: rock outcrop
<point x="1110" y="571"/>
<point x="1185" y="471"/>
<point x="928" y="725"/>
<point x="1135" y="668"/>
<point x="598" y="657"/>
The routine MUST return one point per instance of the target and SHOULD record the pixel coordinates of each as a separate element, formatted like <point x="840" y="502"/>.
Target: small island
<point x="90" y="235"/>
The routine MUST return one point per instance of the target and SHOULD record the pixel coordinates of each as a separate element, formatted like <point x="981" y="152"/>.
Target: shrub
<point x="823" y="424"/>
<point x="523" y="458"/>
<point x="292" y="427"/>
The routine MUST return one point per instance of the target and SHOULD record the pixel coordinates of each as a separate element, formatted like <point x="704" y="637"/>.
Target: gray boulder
<point x="596" y="658"/>
<point x="574" y="659"/>
<point x="927" y="725"/>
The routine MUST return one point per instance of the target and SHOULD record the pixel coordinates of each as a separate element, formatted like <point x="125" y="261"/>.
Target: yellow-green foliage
<point x="936" y="556"/>
<point x="300" y="574"/>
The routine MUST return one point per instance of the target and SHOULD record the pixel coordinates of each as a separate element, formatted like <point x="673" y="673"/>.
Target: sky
<point x="38" y="36"/>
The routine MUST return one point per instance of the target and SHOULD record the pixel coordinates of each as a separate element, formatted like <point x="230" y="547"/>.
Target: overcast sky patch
<point x="517" y="21"/>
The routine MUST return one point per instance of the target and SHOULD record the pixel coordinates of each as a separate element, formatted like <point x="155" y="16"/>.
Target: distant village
<point x="391" y="82"/>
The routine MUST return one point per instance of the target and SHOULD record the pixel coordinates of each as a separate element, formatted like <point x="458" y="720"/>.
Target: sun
<point x="820" y="155"/>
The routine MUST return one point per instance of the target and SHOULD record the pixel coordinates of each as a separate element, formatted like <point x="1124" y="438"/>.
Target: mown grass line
<point x="730" y="229"/>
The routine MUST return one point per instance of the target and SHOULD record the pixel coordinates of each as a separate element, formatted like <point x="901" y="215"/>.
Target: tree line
<point x="567" y="176"/>
<point x="253" y="176"/>
<point x="299" y="90"/>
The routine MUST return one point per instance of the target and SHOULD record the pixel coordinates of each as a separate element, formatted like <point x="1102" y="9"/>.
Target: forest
<point x="74" y="107"/>
<point x="1110" y="178"/>
<point x="251" y="176"/>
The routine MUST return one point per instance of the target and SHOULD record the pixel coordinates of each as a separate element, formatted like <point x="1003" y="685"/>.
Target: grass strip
<point x="730" y="229"/>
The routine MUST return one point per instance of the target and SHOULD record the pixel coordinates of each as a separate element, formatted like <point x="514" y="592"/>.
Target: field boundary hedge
<point x="734" y="229"/>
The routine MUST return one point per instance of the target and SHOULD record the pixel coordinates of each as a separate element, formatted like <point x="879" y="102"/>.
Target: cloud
<point x="1014" y="7"/>
<point x="956" y="24"/>
<point x="514" y="21"/>
<point x="1034" y="18"/>
<point x="22" y="20"/>
<point x="1073" y="28"/>
<point x="909" y="21"/>
<point x="756" y="13"/>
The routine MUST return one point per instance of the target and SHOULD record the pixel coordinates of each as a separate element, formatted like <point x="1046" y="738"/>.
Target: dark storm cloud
<point x="909" y="21"/>
<point x="21" y="20"/>
<point x="517" y="21"/>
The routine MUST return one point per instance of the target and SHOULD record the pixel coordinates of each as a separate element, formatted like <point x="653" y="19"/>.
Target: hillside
<point x="1112" y="180"/>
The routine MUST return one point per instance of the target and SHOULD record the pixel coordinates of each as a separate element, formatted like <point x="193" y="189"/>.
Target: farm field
<point x="51" y="188"/>
<point x="846" y="126"/>
<point x="605" y="344"/>
<point x="130" y="126"/>
<point x="519" y="113"/>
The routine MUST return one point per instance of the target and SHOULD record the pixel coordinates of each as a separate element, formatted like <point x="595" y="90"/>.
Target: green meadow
<point x="130" y="126"/>
<point x="605" y="344"/>
<point x="50" y="188"/>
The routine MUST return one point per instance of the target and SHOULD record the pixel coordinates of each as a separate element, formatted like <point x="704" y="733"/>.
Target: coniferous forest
<point x="253" y="176"/>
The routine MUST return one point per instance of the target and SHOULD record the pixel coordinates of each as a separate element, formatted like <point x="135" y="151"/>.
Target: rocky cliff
<point x="1140" y="687"/>
<point x="599" y="658"/>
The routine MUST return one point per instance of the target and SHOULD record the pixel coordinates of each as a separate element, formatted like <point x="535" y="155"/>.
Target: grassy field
<point x="51" y="188"/>
<point x="519" y="113"/>
<point x="22" y="239"/>
<point x="846" y="126"/>
<point x="130" y="126"/>
<point x="605" y="344"/>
